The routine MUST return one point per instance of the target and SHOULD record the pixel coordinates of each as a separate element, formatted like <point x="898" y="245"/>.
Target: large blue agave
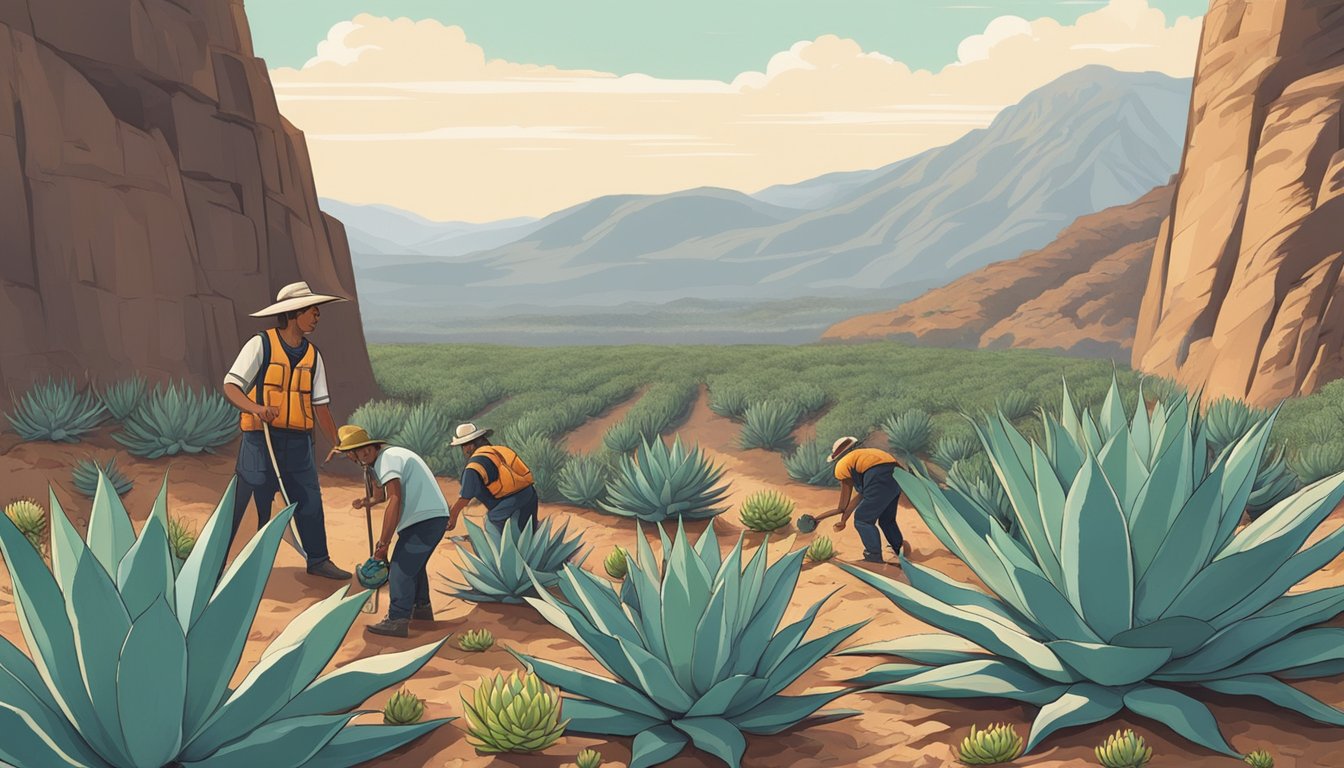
<point x="1126" y="580"/>
<point x="131" y="663"/>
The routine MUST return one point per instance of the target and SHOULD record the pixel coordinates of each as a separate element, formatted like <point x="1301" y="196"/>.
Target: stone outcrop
<point x="153" y="196"/>
<point x="1078" y="295"/>
<point x="1244" y="296"/>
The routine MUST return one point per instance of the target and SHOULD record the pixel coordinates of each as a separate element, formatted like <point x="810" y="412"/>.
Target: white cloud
<point x="413" y="114"/>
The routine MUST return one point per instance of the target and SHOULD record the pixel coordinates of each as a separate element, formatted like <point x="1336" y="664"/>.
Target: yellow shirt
<point x="860" y="460"/>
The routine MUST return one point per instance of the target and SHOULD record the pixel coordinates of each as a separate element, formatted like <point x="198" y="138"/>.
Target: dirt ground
<point x="891" y="731"/>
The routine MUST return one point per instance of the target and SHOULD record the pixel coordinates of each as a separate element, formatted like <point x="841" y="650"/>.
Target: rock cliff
<point x="1244" y="295"/>
<point x="1079" y="295"/>
<point x="153" y="196"/>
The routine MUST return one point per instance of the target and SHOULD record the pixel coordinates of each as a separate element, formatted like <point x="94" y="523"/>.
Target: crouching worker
<point x="497" y="478"/>
<point x="416" y="513"/>
<point x="868" y="471"/>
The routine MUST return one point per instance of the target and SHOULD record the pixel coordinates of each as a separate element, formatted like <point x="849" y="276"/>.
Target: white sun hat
<point x="465" y="433"/>
<point x="839" y="447"/>
<point x="296" y="296"/>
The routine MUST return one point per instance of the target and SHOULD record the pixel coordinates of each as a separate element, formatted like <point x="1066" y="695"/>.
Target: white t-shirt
<point x="421" y="498"/>
<point x="245" y="368"/>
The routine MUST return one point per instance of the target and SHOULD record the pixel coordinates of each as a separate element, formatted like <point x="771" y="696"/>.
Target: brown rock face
<point x="1079" y="295"/>
<point x="1244" y="295"/>
<point x="153" y="196"/>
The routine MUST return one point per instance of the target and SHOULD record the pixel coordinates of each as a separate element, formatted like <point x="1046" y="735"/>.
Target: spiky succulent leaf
<point x="85" y="477"/>
<point x="663" y="481"/>
<point x="56" y="411"/>
<point x="1260" y="759"/>
<point x="181" y="538"/>
<point x="728" y="402"/>
<point x="693" y="646"/>
<point x="425" y="432"/>
<point x="178" y="419"/>
<point x="953" y="448"/>
<point x="518" y="713"/>
<point x="808" y="464"/>
<point x="1227" y="420"/>
<point x="1127" y="573"/>
<point x="1124" y="750"/>
<point x="820" y="550"/>
<point x="31" y="520"/>
<point x="769" y="425"/>
<point x="547" y="459"/>
<point x="503" y="566"/>
<point x="124" y="397"/>
<point x="476" y="641"/>
<point x="134" y="665"/>
<point x="403" y="708"/>
<point x="382" y="419"/>
<point x="766" y="511"/>
<point x="591" y="758"/>
<point x="990" y="746"/>
<point x="909" y="434"/>
<point x="584" y="480"/>
<point x="1274" y="483"/>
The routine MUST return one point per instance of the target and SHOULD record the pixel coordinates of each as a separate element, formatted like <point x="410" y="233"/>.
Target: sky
<point x="477" y="111"/>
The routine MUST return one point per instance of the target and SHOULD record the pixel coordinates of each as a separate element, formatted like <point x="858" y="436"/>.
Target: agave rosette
<point x="132" y="663"/>
<point x="56" y="411"/>
<point x="662" y="482"/>
<point x="178" y="419"/>
<point x="501" y="565"/>
<point x="694" y="648"/>
<point x="1126" y="575"/>
<point x="769" y="425"/>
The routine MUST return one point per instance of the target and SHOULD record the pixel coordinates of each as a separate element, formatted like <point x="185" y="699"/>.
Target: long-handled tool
<point x="291" y="534"/>
<point x="370" y="606"/>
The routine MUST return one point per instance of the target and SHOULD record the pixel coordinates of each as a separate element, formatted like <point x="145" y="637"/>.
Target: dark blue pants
<point x="877" y="510"/>
<point x="407" y="580"/>
<point x="256" y="481"/>
<point x="521" y="508"/>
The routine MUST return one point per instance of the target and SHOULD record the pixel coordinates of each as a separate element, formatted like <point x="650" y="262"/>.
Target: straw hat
<point x="468" y="432"/>
<point x="840" y="446"/>
<point x="352" y="437"/>
<point x="293" y="297"/>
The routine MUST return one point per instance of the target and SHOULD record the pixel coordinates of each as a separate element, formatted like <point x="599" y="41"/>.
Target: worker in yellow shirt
<point x="870" y="472"/>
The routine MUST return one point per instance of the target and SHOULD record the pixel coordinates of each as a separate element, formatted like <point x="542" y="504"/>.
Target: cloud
<point x="413" y="114"/>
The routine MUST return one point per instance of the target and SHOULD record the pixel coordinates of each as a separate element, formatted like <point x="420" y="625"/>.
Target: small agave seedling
<point x="990" y="746"/>
<point x="1260" y="759"/>
<point x="181" y="539"/>
<point x="404" y="708"/>
<point x="589" y="758"/>
<point x="615" y="563"/>
<point x="476" y="641"/>
<point x="1124" y="750"/>
<point x="821" y="549"/>
<point x="766" y="511"/>
<point x="85" y="477"/>
<point x="518" y="713"/>
<point x="31" y="520"/>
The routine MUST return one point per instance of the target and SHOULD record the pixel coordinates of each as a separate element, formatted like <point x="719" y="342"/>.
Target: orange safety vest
<point x="290" y="389"/>
<point x="504" y="474"/>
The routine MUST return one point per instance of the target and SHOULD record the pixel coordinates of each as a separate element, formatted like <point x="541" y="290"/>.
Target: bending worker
<point x="497" y="478"/>
<point x="870" y="472"/>
<point x="278" y="381"/>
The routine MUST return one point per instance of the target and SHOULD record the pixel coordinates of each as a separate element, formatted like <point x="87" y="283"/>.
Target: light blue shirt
<point x="421" y="498"/>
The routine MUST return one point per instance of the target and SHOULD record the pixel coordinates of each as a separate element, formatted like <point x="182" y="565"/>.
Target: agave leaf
<point x="787" y="640"/>
<point x="656" y="680"/>
<point x="146" y="572"/>
<point x="932" y="648"/>
<point x="1052" y="615"/>
<point x="592" y="686"/>
<point x="197" y="579"/>
<point x="1243" y="460"/>
<point x="29" y="701"/>
<point x="1159" y="501"/>
<point x="657" y="745"/>
<point x="894" y="673"/>
<point x="976" y="679"/>
<point x="718" y="699"/>
<point x="152" y="684"/>
<point x="1182" y="635"/>
<point x="215" y="642"/>
<point x="572" y="622"/>
<point x="294" y="741"/>
<point x="1278" y="693"/>
<point x="1124" y="469"/>
<point x="26" y="744"/>
<point x="1294" y="518"/>
<point x="594" y="717"/>
<point x="713" y="642"/>
<point x="1298" y="567"/>
<point x="1175" y="564"/>
<point x="353" y="683"/>
<point x="1016" y="480"/>
<point x="1179" y="712"/>
<point x="1051" y="498"/>
<point x="1112" y="413"/>
<point x="1111" y="665"/>
<point x="1081" y="704"/>
<point x="1095" y="556"/>
<point x="110" y="531"/>
<point x="357" y="744"/>
<point x="797" y="663"/>
<point x="1310" y="646"/>
<point x="716" y="736"/>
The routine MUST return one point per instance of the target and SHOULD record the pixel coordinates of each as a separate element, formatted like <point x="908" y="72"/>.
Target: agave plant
<point x="122" y="398"/>
<point x="476" y="641"/>
<point x="1227" y="421"/>
<point x="1015" y="405"/>
<point x="1124" y="750"/>
<point x="806" y="398"/>
<point x="766" y="511"/>
<point x="56" y="411"/>
<point x="909" y="434"/>
<point x="382" y="419"/>
<point x="518" y="713"/>
<point x="425" y="432"/>
<point x="821" y="549"/>
<point x="769" y="425"/>
<point x="85" y="477"/>
<point x="133" y="666"/>
<point x="954" y="448"/>
<point x="623" y="438"/>
<point x="808" y="464"/>
<point x="178" y="419"/>
<point x="1125" y="575"/>
<point x="547" y="459"/>
<point x="974" y="478"/>
<point x="181" y="539"/>
<point x="31" y="520"/>
<point x="990" y="746"/>
<point x="1260" y="759"/>
<point x="591" y="758"/>
<point x="728" y="402"/>
<point x="615" y="563"/>
<point x="404" y="708"/>
<point x="1274" y="483"/>
<point x="662" y="482"/>
<point x="694" y="646"/>
<point x="1317" y="461"/>
<point x="503" y="566"/>
<point x="584" y="479"/>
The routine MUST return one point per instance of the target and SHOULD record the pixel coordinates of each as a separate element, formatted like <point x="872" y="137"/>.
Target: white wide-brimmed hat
<point x="839" y="447"/>
<point x="293" y="297"/>
<point x="468" y="432"/>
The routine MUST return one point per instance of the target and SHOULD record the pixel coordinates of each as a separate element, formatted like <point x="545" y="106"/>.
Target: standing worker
<point x="417" y="514"/>
<point x="870" y="472"/>
<point x="497" y="478"/>
<point x="280" y="385"/>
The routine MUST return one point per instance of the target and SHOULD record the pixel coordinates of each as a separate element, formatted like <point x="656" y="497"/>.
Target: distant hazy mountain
<point x="1090" y="140"/>
<point x="381" y="230"/>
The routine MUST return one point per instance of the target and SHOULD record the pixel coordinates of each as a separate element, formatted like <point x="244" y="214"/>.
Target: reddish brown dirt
<point x="588" y="438"/>
<point x="891" y="731"/>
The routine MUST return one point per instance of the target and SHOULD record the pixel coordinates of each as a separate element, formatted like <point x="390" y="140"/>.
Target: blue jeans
<point x="407" y="580"/>
<point x="521" y="508"/>
<point x="877" y="510"/>
<point x="257" y="481"/>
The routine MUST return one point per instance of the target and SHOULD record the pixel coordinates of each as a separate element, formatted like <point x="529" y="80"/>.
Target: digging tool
<point x="291" y="534"/>
<point x="370" y="606"/>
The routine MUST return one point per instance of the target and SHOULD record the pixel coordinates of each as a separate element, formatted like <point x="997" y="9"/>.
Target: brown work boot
<point x="422" y="612"/>
<point x="328" y="570"/>
<point x="391" y="627"/>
